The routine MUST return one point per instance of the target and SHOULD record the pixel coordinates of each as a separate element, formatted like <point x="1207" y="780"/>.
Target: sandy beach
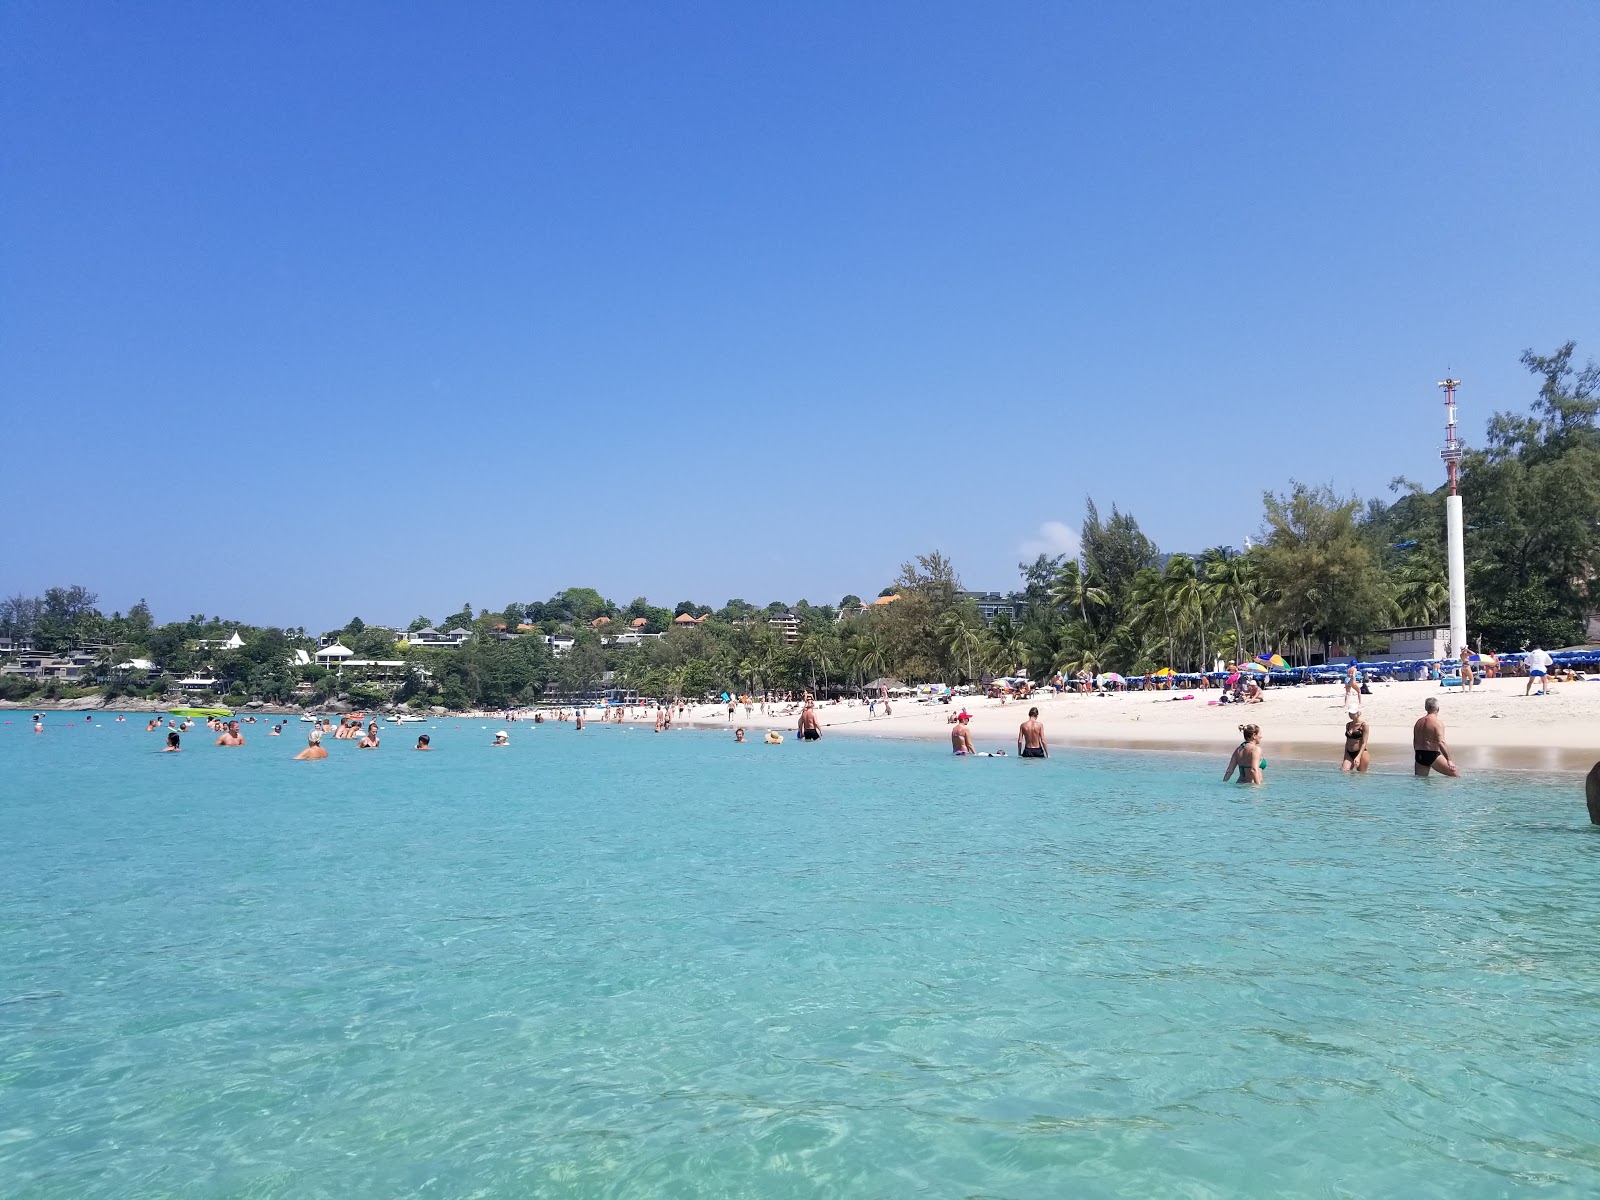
<point x="1494" y="726"/>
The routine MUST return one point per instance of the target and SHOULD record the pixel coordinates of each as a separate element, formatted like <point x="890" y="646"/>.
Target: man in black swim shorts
<point x="1030" y="737"/>
<point x="1427" y="742"/>
<point x="809" y="730"/>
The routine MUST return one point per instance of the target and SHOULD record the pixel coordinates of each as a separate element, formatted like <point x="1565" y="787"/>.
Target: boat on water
<point x="406" y="719"/>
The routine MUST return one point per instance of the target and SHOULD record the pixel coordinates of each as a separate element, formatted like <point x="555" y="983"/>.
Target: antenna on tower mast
<point x="1452" y="452"/>
<point x="1454" y="526"/>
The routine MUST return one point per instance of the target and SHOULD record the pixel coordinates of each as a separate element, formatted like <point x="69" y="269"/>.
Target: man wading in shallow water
<point x="1427" y="739"/>
<point x="809" y="730"/>
<point x="1030" y="737"/>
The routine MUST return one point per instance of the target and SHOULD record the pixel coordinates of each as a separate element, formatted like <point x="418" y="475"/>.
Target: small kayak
<point x="200" y="712"/>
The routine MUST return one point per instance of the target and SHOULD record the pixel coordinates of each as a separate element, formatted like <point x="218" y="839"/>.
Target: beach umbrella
<point x="1111" y="677"/>
<point x="1163" y="673"/>
<point x="1253" y="666"/>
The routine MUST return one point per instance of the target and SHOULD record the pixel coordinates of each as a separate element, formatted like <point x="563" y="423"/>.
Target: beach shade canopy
<point x="882" y="683"/>
<point x="1163" y="673"/>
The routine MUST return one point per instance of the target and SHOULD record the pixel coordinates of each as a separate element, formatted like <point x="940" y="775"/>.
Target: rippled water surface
<point x="614" y="964"/>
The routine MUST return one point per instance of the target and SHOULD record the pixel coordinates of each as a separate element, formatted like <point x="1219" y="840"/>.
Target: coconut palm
<point x="1237" y="587"/>
<point x="1010" y="649"/>
<point x="962" y="635"/>
<point x="1074" y="591"/>
<point x="1421" y="595"/>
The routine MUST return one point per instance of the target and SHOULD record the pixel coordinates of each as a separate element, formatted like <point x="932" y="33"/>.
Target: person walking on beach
<point x="1538" y="663"/>
<point x="1247" y="759"/>
<point x="314" y="747"/>
<point x="230" y="736"/>
<point x="1030" y="737"/>
<point x="1356" y="757"/>
<point x="1352" y="689"/>
<point x="1427" y="741"/>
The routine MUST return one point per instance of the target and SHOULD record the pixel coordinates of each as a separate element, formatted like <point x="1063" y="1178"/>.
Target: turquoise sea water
<point x="615" y="964"/>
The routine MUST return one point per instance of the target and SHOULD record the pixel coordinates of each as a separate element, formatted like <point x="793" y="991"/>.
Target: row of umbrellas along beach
<point x="1274" y="666"/>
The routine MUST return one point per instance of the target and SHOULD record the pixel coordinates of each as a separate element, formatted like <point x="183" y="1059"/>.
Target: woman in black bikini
<point x="1355" y="745"/>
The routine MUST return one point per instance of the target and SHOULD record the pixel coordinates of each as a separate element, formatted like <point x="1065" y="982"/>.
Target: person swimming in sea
<point x="230" y="735"/>
<point x="370" y="740"/>
<point x="501" y="739"/>
<point x="1247" y="758"/>
<point x="173" y="745"/>
<point x="738" y="734"/>
<point x="314" y="747"/>
<point x="422" y="742"/>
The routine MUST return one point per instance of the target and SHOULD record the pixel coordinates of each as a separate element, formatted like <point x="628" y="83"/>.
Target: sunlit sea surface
<point x="616" y="964"/>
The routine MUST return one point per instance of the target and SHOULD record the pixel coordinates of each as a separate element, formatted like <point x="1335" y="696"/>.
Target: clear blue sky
<point x="309" y="310"/>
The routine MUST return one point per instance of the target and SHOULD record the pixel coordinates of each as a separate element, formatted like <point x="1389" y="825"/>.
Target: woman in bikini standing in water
<point x="1247" y="758"/>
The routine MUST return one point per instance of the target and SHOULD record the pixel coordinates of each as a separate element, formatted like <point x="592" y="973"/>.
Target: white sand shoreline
<point x="1493" y="727"/>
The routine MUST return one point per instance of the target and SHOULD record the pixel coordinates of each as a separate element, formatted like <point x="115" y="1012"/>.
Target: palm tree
<point x="870" y="655"/>
<point x="1421" y="596"/>
<point x="1237" y="589"/>
<point x="1152" y="609"/>
<point x="962" y="636"/>
<point x="814" y="649"/>
<point x="1082" y="649"/>
<point x="1187" y="597"/>
<point x="1073" y="590"/>
<point x="1010" y="649"/>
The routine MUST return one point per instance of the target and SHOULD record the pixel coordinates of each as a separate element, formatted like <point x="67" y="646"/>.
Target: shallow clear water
<point x="615" y="964"/>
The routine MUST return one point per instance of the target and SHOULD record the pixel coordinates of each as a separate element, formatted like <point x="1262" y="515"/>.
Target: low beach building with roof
<point x="334" y="655"/>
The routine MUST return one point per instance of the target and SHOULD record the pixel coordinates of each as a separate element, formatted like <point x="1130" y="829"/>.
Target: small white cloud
<point x="1055" y="537"/>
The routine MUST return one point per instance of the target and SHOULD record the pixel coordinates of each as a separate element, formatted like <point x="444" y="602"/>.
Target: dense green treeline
<point x="1328" y="573"/>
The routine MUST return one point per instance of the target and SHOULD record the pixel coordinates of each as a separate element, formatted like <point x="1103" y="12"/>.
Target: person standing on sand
<point x="961" y="737"/>
<point x="230" y="736"/>
<point x="1247" y="758"/>
<point x="1356" y="757"/>
<point x="1466" y="670"/>
<point x="1030" y="737"/>
<point x="1538" y="663"/>
<point x="314" y="747"/>
<point x="1427" y="740"/>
